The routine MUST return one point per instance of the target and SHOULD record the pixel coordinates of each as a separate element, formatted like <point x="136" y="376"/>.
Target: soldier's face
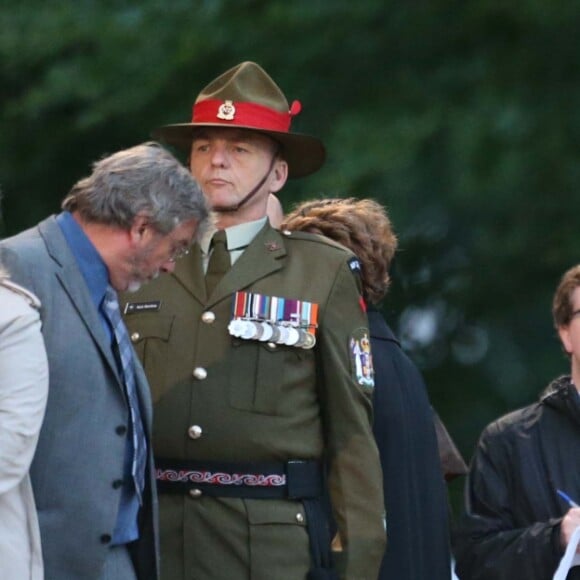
<point x="229" y="163"/>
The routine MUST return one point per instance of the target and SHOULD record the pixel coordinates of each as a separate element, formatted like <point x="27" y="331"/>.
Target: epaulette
<point x="26" y="294"/>
<point x="316" y="238"/>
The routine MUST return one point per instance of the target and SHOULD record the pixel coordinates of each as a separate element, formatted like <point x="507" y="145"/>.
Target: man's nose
<point x="219" y="155"/>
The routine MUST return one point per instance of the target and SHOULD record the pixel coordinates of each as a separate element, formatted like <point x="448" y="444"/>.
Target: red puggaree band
<point x="244" y="115"/>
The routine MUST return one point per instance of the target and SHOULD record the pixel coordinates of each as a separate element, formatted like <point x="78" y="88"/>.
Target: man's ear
<point x="139" y="228"/>
<point x="279" y="176"/>
<point x="564" y="333"/>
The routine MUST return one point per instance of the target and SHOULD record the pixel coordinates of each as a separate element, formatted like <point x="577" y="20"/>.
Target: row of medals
<point x="270" y="332"/>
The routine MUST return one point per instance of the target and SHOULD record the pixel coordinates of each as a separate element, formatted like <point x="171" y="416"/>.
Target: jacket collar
<point x="562" y="395"/>
<point x="261" y="258"/>
<point x="71" y="279"/>
<point x="378" y="327"/>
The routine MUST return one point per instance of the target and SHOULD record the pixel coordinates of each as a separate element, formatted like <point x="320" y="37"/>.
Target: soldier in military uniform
<point x="255" y="365"/>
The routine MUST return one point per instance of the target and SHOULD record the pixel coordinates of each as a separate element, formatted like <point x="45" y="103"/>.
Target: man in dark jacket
<point x="516" y="522"/>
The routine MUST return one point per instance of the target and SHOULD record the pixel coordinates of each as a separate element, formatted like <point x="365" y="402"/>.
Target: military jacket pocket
<point x="278" y="539"/>
<point x="269" y="379"/>
<point x="150" y="335"/>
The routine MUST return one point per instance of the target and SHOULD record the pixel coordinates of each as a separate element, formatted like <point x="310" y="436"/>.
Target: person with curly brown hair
<point x="413" y="484"/>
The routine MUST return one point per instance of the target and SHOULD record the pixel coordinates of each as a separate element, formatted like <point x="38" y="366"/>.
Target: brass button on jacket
<point x="208" y="317"/>
<point x="195" y="432"/>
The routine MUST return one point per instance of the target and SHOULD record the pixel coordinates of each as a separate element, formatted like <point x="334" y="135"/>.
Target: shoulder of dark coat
<point x="514" y="423"/>
<point x="379" y="327"/>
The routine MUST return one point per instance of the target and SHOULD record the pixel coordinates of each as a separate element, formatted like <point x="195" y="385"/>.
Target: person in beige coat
<point x="23" y="394"/>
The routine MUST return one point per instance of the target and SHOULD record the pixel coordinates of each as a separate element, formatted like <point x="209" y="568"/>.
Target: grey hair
<point x="142" y="180"/>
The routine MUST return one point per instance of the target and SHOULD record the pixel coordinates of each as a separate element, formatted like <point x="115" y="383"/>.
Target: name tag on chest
<point x="133" y="307"/>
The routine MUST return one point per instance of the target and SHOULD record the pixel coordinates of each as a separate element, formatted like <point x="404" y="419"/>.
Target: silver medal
<point x="275" y="334"/>
<point x="248" y="331"/>
<point x="306" y="340"/>
<point x="267" y="332"/>
<point x="235" y="327"/>
<point x="293" y="336"/>
<point x="283" y="334"/>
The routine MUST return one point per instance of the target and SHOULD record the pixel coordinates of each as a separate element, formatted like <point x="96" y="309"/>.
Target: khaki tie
<point x="219" y="261"/>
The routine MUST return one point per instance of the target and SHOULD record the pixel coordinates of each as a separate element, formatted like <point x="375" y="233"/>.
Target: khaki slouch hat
<point x="245" y="97"/>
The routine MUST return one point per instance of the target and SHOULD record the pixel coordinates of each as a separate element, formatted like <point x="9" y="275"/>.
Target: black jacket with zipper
<point x="511" y="525"/>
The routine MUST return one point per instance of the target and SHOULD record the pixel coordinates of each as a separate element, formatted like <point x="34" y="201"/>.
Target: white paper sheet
<point x="570" y="558"/>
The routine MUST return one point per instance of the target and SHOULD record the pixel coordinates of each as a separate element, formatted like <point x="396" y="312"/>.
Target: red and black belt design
<point x="291" y="479"/>
<point x="299" y="480"/>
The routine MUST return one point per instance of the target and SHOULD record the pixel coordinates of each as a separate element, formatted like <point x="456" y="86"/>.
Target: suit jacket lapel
<point x="144" y="396"/>
<point x="71" y="279"/>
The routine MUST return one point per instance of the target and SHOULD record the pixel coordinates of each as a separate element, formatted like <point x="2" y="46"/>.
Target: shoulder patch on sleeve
<point x="361" y="358"/>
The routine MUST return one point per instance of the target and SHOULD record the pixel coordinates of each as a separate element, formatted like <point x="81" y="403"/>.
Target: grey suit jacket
<point x="82" y="441"/>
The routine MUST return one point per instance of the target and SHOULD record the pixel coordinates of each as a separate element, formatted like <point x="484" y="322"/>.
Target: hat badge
<point x="226" y="111"/>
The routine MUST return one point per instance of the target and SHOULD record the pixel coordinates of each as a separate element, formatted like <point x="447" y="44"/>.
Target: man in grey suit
<point x="93" y="474"/>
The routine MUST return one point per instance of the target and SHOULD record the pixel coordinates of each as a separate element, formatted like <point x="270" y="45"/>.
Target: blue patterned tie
<point x="125" y="358"/>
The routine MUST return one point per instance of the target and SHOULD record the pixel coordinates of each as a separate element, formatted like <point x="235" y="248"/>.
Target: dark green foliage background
<point x="461" y="117"/>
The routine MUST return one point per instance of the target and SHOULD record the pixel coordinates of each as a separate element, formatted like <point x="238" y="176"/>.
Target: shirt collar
<point x="238" y="236"/>
<point x="89" y="261"/>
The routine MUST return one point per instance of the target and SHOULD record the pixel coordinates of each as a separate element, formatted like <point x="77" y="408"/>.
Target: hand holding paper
<point x="570" y="558"/>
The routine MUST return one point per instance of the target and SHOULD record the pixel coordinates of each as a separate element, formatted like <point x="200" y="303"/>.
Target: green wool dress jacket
<point x="227" y="399"/>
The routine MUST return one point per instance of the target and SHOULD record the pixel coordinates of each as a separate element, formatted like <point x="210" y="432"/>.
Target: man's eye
<point x="201" y="147"/>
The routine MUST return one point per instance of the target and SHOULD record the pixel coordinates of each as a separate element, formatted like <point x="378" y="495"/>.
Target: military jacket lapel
<point x="260" y="259"/>
<point x="189" y="271"/>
